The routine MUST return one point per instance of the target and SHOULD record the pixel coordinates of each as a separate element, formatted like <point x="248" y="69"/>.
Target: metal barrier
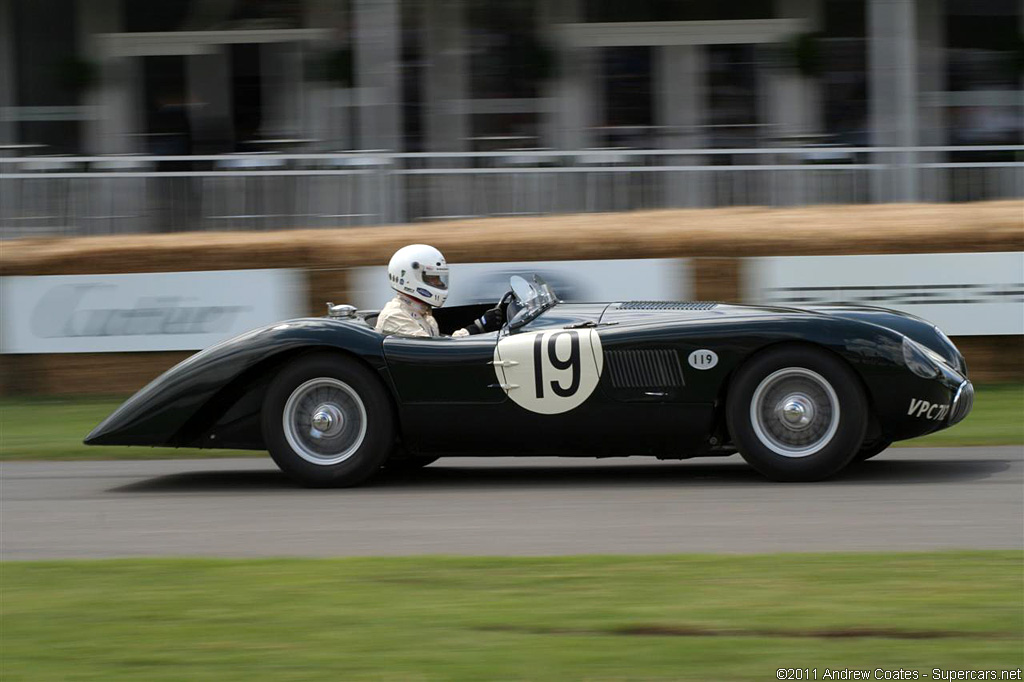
<point x="108" y="195"/>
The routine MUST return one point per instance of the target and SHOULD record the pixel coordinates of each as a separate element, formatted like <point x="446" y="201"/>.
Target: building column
<point x="281" y="89"/>
<point x="791" y="103"/>
<point x="8" y="127"/>
<point x="582" y="107"/>
<point x="111" y="105"/>
<point x="575" y="91"/>
<point x="680" y="73"/>
<point x="378" y="73"/>
<point x="892" y="91"/>
<point x="328" y="106"/>
<point x="209" y="83"/>
<point x="931" y="53"/>
<point x="446" y="87"/>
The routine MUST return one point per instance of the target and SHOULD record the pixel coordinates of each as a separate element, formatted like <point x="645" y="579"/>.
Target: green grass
<point x="54" y="428"/>
<point x="701" y="617"/>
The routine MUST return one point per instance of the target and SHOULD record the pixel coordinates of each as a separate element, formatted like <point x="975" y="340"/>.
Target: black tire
<point x="869" y="450"/>
<point x="354" y="442"/>
<point x="407" y="463"/>
<point x="822" y="429"/>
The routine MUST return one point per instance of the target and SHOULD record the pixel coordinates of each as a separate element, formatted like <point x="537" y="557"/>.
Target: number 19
<point x="572" y="362"/>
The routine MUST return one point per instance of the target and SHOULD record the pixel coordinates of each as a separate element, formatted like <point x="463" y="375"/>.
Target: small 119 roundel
<point x="703" y="359"/>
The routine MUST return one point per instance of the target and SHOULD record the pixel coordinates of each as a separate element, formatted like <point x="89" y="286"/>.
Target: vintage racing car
<point x="799" y="393"/>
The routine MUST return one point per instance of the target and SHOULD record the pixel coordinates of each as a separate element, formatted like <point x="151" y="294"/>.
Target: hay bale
<point x="714" y="232"/>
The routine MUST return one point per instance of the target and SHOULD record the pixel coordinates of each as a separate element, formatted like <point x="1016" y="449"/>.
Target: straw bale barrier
<point x="716" y="232"/>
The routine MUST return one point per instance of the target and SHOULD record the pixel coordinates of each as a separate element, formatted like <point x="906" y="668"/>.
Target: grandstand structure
<point x="194" y="114"/>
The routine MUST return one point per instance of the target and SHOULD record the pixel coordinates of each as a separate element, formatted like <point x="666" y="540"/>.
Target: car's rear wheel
<point x="327" y="421"/>
<point x="796" y="413"/>
<point x="408" y="463"/>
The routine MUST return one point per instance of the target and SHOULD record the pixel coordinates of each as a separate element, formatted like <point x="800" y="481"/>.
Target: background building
<point x="182" y="76"/>
<point x="385" y="77"/>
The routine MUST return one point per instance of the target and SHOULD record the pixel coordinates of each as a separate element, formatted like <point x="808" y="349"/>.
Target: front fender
<point x="874" y="351"/>
<point x="871" y="341"/>
<point x="159" y="413"/>
<point x="911" y="326"/>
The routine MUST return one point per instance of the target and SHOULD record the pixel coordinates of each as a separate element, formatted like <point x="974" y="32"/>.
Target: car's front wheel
<point x="797" y="413"/>
<point x="327" y="421"/>
<point x="869" y="450"/>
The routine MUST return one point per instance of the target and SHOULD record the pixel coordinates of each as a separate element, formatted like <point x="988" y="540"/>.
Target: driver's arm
<point x="490" y="321"/>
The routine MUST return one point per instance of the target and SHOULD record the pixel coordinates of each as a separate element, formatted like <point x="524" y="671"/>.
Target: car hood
<point x="646" y="312"/>
<point x="911" y="326"/>
<point x="670" y="312"/>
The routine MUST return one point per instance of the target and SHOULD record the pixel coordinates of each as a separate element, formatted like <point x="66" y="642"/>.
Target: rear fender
<point x="176" y="407"/>
<point x="231" y="418"/>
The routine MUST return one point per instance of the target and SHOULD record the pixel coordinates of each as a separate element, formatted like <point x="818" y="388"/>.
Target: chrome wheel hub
<point x="794" y="412"/>
<point x="324" y="421"/>
<point x="328" y="420"/>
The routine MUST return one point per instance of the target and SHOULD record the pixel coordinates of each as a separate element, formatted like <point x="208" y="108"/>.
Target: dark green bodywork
<point x="447" y="400"/>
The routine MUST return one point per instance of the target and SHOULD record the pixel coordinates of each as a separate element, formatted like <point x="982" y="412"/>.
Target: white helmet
<point x="420" y="271"/>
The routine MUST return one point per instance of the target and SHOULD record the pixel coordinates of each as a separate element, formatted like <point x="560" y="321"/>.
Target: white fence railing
<point x="104" y="195"/>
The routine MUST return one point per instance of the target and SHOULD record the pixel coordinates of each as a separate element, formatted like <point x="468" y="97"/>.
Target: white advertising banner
<point x="575" y="281"/>
<point x="964" y="294"/>
<point x="143" y="312"/>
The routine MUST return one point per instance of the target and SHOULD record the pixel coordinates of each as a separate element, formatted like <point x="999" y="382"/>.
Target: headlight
<point x="919" y="360"/>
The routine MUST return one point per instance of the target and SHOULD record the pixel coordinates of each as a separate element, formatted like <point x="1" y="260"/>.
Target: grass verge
<point x="671" y="617"/>
<point x="53" y="428"/>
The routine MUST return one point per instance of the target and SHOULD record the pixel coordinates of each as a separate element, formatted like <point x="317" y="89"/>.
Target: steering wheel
<point x="504" y="303"/>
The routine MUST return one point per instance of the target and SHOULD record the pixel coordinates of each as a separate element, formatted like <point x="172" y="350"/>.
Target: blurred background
<point x="129" y="116"/>
<point x="134" y="118"/>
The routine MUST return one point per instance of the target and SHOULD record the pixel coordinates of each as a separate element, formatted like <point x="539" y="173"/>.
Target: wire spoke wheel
<point x="797" y="412"/>
<point x="794" y="412"/>
<point x="324" y="421"/>
<point x="327" y="420"/>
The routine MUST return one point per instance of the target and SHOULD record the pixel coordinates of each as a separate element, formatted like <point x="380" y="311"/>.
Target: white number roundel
<point x="549" y="372"/>
<point x="703" y="359"/>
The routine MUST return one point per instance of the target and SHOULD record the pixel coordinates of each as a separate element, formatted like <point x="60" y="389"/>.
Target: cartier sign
<point x="145" y="311"/>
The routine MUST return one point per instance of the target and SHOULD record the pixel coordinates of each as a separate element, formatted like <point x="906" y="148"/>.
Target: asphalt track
<point x="906" y="499"/>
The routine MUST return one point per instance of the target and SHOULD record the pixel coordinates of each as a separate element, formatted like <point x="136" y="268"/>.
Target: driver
<point x="419" y="273"/>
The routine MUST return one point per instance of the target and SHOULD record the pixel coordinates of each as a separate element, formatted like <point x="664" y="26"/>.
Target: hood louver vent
<point x="644" y="368"/>
<point x="667" y="305"/>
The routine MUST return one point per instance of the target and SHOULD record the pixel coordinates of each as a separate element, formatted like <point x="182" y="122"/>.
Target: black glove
<point x="490" y="321"/>
<point x="503" y="304"/>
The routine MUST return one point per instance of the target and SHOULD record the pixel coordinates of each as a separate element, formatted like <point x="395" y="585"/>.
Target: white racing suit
<point x="406" y="316"/>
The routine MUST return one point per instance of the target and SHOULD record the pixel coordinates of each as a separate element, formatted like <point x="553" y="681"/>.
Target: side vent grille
<point x="667" y="305"/>
<point x="644" y="368"/>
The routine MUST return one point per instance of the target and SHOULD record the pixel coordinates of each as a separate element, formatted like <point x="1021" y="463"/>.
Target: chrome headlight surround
<point x="962" y="403"/>
<point x="920" y="360"/>
<point x="961" y="364"/>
